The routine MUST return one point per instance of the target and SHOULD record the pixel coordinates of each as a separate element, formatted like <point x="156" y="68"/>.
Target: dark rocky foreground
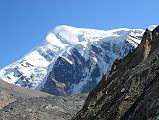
<point x="43" y="108"/>
<point x="130" y="91"/>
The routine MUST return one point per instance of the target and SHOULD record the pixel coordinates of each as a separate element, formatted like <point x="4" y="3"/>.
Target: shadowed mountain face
<point x="130" y="90"/>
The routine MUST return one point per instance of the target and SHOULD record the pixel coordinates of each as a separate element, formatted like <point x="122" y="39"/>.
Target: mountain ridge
<point x="66" y="49"/>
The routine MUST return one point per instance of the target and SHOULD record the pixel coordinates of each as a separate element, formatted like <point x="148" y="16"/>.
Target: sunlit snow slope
<point x="71" y="60"/>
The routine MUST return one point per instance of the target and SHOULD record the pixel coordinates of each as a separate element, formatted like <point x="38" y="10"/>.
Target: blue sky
<point x="24" y="23"/>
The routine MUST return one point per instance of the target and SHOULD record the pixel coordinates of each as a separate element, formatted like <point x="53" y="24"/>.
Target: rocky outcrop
<point x="130" y="90"/>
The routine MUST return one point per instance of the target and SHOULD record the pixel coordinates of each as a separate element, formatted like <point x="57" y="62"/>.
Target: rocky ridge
<point x="130" y="90"/>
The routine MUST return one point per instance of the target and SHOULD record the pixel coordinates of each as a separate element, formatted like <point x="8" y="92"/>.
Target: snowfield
<point x="74" y="59"/>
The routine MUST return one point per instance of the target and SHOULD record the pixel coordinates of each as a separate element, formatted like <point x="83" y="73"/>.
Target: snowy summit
<point x="71" y="60"/>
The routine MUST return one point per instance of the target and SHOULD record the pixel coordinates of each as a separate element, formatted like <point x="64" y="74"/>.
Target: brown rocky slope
<point x="10" y="92"/>
<point x="130" y="91"/>
<point x="18" y="103"/>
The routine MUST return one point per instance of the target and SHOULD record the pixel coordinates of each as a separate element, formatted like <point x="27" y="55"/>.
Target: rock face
<point x="43" y="108"/>
<point x="71" y="60"/>
<point x="130" y="90"/>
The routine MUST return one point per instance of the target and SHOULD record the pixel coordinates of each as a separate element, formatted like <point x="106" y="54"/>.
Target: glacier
<point x="71" y="60"/>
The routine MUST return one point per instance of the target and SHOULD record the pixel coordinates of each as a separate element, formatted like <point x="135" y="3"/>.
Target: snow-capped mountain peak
<point x="71" y="60"/>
